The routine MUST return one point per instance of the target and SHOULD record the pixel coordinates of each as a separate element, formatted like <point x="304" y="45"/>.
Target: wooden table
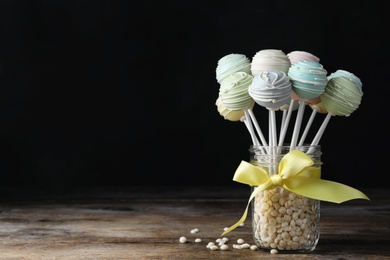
<point x="147" y="222"/>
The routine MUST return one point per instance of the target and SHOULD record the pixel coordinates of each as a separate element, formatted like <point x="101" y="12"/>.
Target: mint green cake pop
<point x="341" y="96"/>
<point x="308" y="79"/>
<point x="233" y="92"/>
<point x="230" y="64"/>
<point x="348" y="75"/>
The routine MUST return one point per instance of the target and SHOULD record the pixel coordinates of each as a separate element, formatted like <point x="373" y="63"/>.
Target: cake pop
<point x="233" y="91"/>
<point x="228" y="114"/>
<point x="233" y="95"/>
<point x="347" y="75"/>
<point x="296" y="56"/>
<point x="308" y="79"/>
<point x="271" y="89"/>
<point x="230" y="64"/>
<point x="269" y="59"/>
<point x="341" y="97"/>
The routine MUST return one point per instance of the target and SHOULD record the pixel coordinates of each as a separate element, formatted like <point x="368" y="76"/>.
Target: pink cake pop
<point x="296" y="56"/>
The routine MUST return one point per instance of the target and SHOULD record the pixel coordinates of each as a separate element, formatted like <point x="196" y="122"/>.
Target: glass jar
<point x="281" y="219"/>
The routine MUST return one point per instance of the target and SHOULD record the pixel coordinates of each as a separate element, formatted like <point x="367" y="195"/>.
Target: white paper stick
<point x="318" y="136"/>
<point x="248" y="123"/>
<point x="283" y="120"/>
<point x="286" y="123"/>
<point x="308" y="125"/>
<point x="297" y="126"/>
<point x="257" y="127"/>
<point x="272" y="116"/>
<point x="321" y="130"/>
<point x="269" y="130"/>
<point x="273" y="140"/>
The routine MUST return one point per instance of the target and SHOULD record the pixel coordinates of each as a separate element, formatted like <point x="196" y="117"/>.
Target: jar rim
<point x="284" y="145"/>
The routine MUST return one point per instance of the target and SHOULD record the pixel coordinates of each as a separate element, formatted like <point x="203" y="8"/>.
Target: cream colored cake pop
<point x="228" y="114"/>
<point x="269" y="59"/>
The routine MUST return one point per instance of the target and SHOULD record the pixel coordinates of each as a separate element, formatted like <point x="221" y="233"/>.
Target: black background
<point x="122" y="93"/>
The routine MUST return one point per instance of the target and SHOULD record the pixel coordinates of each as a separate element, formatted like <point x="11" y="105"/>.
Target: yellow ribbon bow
<point x="297" y="175"/>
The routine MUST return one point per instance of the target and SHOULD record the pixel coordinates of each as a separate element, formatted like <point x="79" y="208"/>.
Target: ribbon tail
<point x="320" y="189"/>
<point x="242" y="219"/>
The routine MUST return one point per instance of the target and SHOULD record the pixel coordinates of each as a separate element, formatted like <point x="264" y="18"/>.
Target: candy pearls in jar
<point x="281" y="219"/>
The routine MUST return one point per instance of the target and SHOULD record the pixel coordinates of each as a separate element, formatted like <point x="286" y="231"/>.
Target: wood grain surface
<point x="147" y="222"/>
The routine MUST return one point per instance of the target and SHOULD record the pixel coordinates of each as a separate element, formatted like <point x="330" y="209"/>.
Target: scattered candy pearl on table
<point x="245" y="246"/>
<point x="222" y="243"/>
<point x="237" y="246"/>
<point x="195" y="230"/>
<point x="213" y="248"/>
<point x="224" y="247"/>
<point x="210" y="244"/>
<point x="240" y="241"/>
